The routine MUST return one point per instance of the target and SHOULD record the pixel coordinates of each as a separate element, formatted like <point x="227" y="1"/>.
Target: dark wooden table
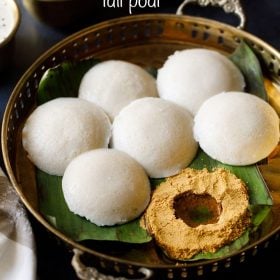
<point x="35" y="37"/>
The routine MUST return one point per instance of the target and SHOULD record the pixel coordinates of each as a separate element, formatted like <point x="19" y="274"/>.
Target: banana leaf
<point x="64" y="80"/>
<point x="260" y="201"/>
<point x="247" y="62"/>
<point x="250" y="175"/>
<point x="56" y="211"/>
<point x="225" y="250"/>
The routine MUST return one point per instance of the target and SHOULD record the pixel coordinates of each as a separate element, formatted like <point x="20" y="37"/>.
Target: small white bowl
<point x="9" y="23"/>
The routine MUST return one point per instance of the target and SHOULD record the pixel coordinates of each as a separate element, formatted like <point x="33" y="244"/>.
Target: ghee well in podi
<point x="181" y="232"/>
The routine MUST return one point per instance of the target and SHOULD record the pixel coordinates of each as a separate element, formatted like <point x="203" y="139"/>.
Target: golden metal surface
<point x="146" y="40"/>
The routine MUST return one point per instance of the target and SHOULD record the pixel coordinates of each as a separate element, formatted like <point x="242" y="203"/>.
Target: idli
<point x="189" y="77"/>
<point x="106" y="186"/>
<point x="61" y="129"/>
<point x="113" y="84"/>
<point x="237" y="128"/>
<point x="157" y="133"/>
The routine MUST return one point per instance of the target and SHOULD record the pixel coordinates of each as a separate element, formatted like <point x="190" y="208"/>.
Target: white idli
<point x="61" y="129"/>
<point x="106" y="186"/>
<point x="113" y="84"/>
<point x="237" y="128"/>
<point x="157" y="133"/>
<point x="189" y="77"/>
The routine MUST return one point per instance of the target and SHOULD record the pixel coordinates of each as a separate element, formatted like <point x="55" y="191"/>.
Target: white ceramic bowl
<point x="9" y="23"/>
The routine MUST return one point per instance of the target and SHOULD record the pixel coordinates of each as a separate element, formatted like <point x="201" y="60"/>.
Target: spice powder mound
<point x="197" y="211"/>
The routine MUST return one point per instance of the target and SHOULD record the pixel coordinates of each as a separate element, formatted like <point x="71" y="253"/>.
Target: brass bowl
<point x="10" y="20"/>
<point x="146" y="40"/>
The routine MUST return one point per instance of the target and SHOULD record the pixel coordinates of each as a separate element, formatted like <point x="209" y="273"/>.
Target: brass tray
<point x="146" y="40"/>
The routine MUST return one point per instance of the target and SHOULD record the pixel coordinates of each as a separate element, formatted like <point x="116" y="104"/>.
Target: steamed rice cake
<point x="237" y="128"/>
<point x="61" y="129"/>
<point x="106" y="186"/>
<point x="113" y="84"/>
<point x="189" y="77"/>
<point x="157" y="133"/>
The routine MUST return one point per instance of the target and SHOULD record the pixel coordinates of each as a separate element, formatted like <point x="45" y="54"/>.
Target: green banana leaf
<point x="56" y="211"/>
<point x="226" y="250"/>
<point x="250" y="175"/>
<point x="247" y="62"/>
<point x="64" y="80"/>
<point x="260" y="201"/>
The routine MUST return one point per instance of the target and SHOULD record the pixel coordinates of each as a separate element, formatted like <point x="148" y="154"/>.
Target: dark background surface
<point x="35" y="37"/>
